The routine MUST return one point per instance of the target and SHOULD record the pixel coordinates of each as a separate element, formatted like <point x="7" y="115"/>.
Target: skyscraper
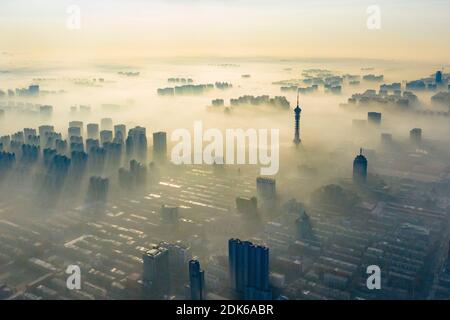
<point x="44" y="132"/>
<point x="374" y="118"/>
<point x="74" y="132"/>
<point x="77" y="124"/>
<point x="136" y="144"/>
<point x="266" y="187"/>
<point x="360" y="168"/>
<point x="92" y="130"/>
<point x="156" y="270"/>
<point x="438" y="77"/>
<point x="179" y="255"/>
<point x="120" y="132"/>
<point x="61" y="146"/>
<point x="248" y="207"/>
<point x="28" y="134"/>
<point x="304" y="227"/>
<point x="91" y="143"/>
<point x="159" y="146"/>
<point x="249" y="269"/>
<point x="196" y="280"/>
<point x="415" y="135"/>
<point x="33" y="90"/>
<point x="98" y="189"/>
<point x="297" y="112"/>
<point x="106" y="136"/>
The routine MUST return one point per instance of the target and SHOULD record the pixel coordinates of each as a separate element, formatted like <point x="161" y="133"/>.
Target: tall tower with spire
<point x="297" y="112"/>
<point x="360" y="168"/>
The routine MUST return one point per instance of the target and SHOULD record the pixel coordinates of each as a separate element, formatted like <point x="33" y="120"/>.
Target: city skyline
<point x="246" y="151"/>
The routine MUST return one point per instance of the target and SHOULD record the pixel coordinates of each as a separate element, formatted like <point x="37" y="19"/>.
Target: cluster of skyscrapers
<point x="248" y="271"/>
<point x="66" y="160"/>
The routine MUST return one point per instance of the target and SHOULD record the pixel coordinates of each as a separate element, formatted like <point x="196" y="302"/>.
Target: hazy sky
<point x="410" y="29"/>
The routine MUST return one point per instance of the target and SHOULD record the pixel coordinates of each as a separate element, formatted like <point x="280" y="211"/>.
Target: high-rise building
<point x="106" y="136"/>
<point x="15" y="146"/>
<point x="304" y="227"/>
<point x="5" y="141"/>
<point x="28" y="134"/>
<point x="7" y="160"/>
<point x="135" y="176"/>
<point x="247" y="206"/>
<point x="30" y="153"/>
<point x="76" y="139"/>
<point x="61" y="146"/>
<point x="113" y="154"/>
<point x="48" y="155"/>
<point x="249" y="268"/>
<point x="156" y="270"/>
<point x="126" y="180"/>
<point x="97" y="160"/>
<point x="374" y="118"/>
<point x="44" y="131"/>
<point x="139" y="172"/>
<point x="159" y="146"/>
<point x="252" y="293"/>
<point x="360" y="168"/>
<point x="74" y="132"/>
<point x="79" y="162"/>
<point x="33" y="90"/>
<point x="92" y="131"/>
<point x="50" y="139"/>
<point x="136" y="144"/>
<point x="415" y="135"/>
<point x="58" y="169"/>
<point x="75" y="146"/>
<point x="438" y="77"/>
<point x="266" y="187"/>
<point x="179" y="255"/>
<point x="77" y="124"/>
<point x="18" y="137"/>
<point x="97" y="190"/>
<point x="120" y="132"/>
<point x="297" y="112"/>
<point x="196" y="280"/>
<point x="91" y="143"/>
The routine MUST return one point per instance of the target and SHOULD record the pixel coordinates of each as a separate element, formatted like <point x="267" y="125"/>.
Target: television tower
<point x="297" y="112"/>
